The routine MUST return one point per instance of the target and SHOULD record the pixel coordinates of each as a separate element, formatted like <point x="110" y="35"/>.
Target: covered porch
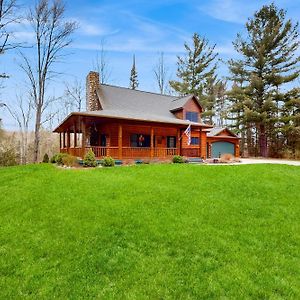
<point x="127" y="139"/>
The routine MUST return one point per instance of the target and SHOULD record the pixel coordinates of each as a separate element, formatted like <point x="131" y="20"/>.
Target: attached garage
<point x="219" y="148"/>
<point x="220" y="141"/>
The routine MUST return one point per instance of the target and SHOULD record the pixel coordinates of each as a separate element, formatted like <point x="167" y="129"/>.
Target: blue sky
<point x="143" y="28"/>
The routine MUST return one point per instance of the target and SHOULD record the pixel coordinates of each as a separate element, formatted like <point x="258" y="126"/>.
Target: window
<point x="140" y="140"/>
<point x="191" y="116"/>
<point x="194" y="141"/>
<point x="171" y="141"/>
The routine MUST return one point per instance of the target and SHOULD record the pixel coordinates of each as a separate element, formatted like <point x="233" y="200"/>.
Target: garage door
<point x="219" y="148"/>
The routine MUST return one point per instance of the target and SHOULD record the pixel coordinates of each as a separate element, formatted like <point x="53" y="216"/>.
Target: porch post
<point x="203" y="144"/>
<point x="120" y="141"/>
<point x="83" y="139"/>
<point x="178" y="142"/>
<point x="152" y="143"/>
<point x="75" y="136"/>
<point x="68" y="139"/>
<point x="64" y="139"/>
<point x="59" y="140"/>
<point x="200" y="142"/>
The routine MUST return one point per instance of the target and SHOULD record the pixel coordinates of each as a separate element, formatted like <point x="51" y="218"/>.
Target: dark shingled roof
<point x="134" y="104"/>
<point x="124" y="103"/>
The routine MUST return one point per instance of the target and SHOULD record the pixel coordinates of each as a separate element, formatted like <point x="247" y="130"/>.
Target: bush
<point x="89" y="159"/>
<point x="53" y="159"/>
<point x="46" y="158"/>
<point x="108" y="162"/>
<point x="69" y="160"/>
<point x="59" y="158"/>
<point x="177" y="159"/>
<point x="8" y="157"/>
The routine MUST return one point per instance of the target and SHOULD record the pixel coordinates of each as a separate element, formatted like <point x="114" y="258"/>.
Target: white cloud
<point x="234" y="11"/>
<point x="21" y="36"/>
<point x="90" y="29"/>
<point x="237" y="11"/>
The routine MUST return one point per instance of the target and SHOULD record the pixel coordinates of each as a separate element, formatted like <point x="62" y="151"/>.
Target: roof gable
<point x="221" y="131"/>
<point x="180" y="103"/>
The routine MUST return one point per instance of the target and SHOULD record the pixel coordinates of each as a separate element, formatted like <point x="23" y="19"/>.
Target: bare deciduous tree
<point x="161" y="74"/>
<point x="22" y="115"/>
<point x="7" y="16"/>
<point x="52" y="36"/>
<point x="74" y="95"/>
<point x="101" y="64"/>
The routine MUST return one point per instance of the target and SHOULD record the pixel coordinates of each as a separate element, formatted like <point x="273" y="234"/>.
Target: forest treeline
<point x="259" y="100"/>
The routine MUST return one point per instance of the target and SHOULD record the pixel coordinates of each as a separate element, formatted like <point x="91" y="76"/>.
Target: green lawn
<point x="150" y="232"/>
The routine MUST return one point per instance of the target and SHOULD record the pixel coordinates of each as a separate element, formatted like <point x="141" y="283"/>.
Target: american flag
<point x="188" y="134"/>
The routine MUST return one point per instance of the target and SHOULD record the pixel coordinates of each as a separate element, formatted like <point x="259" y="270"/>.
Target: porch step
<point x="195" y="160"/>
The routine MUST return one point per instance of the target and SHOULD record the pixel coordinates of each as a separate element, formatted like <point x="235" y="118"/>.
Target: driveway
<point x="245" y="161"/>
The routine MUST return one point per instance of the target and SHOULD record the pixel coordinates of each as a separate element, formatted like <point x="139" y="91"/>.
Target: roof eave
<point x="91" y="114"/>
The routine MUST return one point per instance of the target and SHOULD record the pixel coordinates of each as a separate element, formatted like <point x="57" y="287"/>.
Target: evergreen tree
<point x="221" y="105"/>
<point x="291" y="122"/>
<point x="209" y="98"/>
<point x="268" y="62"/>
<point x="133" y="84"/>
<point x="239" y="99"/>
<point x="196" y="71"/>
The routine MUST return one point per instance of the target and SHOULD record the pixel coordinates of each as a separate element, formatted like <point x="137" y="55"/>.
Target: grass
<point x="150" y="232"/>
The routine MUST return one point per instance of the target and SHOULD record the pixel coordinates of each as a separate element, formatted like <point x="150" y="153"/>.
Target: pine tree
<point x="209" y="98"/>
<point x="221" y="104"/>
<point x="133" y="84"/>
<point x="268" y="62"/>
<point x="291" y="122"/>
<point x="196" y="70"/>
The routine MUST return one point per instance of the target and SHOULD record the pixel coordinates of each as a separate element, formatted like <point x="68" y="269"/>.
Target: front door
<point x="103" y="140"/>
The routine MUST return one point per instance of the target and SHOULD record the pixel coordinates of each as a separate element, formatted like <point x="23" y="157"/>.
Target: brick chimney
<point x="92" y="92"/>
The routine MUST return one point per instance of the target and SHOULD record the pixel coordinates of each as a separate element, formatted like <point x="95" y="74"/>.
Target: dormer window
<point x="192" y="116"/>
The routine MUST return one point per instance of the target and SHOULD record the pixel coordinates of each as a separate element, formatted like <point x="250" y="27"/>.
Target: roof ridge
<point x="188" y="95"/>
<point x="126" y="88"/>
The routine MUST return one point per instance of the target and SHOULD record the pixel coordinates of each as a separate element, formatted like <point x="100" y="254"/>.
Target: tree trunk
<point x="242" y="149"/>
<point x="263" y="150"/>
<point x="249" y="140"/>
<point x="37" y="134"/>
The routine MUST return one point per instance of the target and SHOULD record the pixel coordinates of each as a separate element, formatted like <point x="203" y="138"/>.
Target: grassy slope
<point x="149" y="232"/>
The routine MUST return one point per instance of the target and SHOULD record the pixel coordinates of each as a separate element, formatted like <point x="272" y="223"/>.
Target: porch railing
<point x="190" y="152"/>
<point x="127" y="152"/>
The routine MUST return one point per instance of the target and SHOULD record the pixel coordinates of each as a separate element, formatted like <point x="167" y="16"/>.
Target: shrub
<point x="59" y="158"/>
<point x="177" y="159"/>
<point x="69" y="160"/>
<point x="8" y="157"/>
<point x="108" y="162"/>
<point x="46" y="158"/>
<point x="89" y="159"/>
<point x="53" y="159"/>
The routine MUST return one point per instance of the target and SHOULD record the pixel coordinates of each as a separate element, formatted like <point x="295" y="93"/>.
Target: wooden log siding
<point x="118" y="139"/>
<point x="152" y="143"/>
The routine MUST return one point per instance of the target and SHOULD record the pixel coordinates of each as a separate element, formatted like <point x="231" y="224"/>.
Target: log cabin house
<point x="132" y="124"/>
